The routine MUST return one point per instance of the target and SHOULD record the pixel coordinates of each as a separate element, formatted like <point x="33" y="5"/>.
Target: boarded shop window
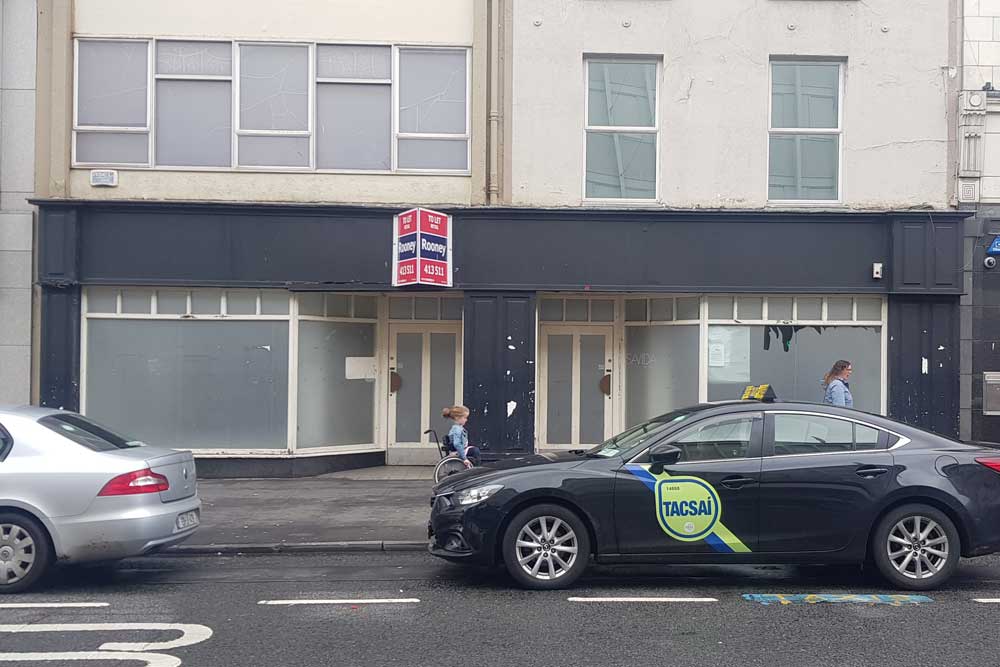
<point x="660" y="364"/>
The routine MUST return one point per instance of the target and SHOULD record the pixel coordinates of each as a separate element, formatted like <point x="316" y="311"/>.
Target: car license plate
<point x="188" y="520"/>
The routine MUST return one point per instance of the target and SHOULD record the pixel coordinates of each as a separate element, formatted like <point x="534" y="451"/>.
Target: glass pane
<point x="171" y="303"/>
<point x="793" y="359"/>
<point x="432" y="154"/>
<point x="621" y="165"/>
<point x="451" y="309"/>
<point x="865" y="437"/>
<point x="592" y="399"/>
<point x="803" y="166"/>
<point x="718" y="438"/>
<point x="551" y="310"/>
<point x="258" y="151"/>
<point x="635" y="310"/>
<point x="779" y="308"/>
<point x="661" y="370"/>
<point x="661" y="310"/>
<point x="112" y="82"/>
<point x="425" y="309"/>
<point x="401" y="308"/>
<point x="206" y="302"/>
<point x="241" y="303"/>
<point x="274" y="84"/>
<point x="807" y="434"/>
<point x="206" y="58"/>
<point x="432" y="91"/>
<point x="274" y="303"/>
<point x="137" y="301"/>
<point x="335" y="407"/>
<point x="409" y="365"/>
<point x="576" y="310"/>
<point x="559" y="390"/>
<point x="102" y="299"/>
<point x="749" y="307"/>
<point x="442" y="378"/>
<point x="804" y="94"/>
<point x="194" y="123"/>
<point x="689" y="308"/>
<point x="353" y="62"/>
<point x="338" y="305"/>
<point x="809" y="308"/>
<point x="869" y="309"/>
<point x="622" y="94"/>
<point x="353" y="126"/>
<point x="602" y="310"/>
<point x="112" y="147"/>
<point x="311" y="303"/>
<point x="365" y="307"/>
<point x="191" y="384"/>
<point x="839" y="309"/>
<point x="720" y="307"/>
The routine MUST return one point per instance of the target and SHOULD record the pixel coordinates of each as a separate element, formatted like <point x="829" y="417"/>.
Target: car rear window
<point x="89" y="434"/>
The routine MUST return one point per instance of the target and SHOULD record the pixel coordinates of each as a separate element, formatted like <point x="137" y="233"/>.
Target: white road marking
<point x="190" y="634"/>
<point x="643" y="599"/>
<point x="53" y="605"/>
<point x="987" y="600"/>
<point x="291" y="603"/>
<point x="148" y="659"/>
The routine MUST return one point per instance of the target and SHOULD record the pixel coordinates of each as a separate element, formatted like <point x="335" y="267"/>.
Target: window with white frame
<point x="271" y="106"/>
<point x="621" y="128"/>
<point x="804" y="142"/>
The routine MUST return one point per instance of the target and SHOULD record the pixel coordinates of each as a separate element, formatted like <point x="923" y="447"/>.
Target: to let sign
<point x="421" y="248"/>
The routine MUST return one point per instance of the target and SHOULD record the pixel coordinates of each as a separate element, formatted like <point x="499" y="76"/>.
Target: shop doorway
<point x="575" y="404"/>
<point x="425" y="375"/>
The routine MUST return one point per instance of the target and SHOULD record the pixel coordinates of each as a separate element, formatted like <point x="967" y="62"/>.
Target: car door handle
<point x="737" y="482"/>
<point x="870" y="472"/>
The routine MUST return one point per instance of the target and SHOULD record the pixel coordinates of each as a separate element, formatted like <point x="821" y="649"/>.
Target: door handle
<point x="870" y="472"/>
<point x="737" y="482"/>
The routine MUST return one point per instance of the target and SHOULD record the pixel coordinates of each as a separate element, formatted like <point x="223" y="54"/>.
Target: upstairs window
<point x="805" y="131"/>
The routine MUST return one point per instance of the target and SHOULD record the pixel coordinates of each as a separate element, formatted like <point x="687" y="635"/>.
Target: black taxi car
<point x="732" y="482"/>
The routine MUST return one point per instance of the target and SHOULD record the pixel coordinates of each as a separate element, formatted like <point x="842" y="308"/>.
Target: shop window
<point x="720" y="307"/>
<point x="206" y="302"/>
<point x="551" y="310"/>
<point x="401" y="308"/>
<point x="338" y="305"/>
<point x="424" y="308"/>
<point x="137" y="300"/>
<point x="661" y="310"/>
<point x="602" y="310"/>
<point x="688" y="308"/>
<point x="102" y="300"/>
<point x="661" y="370"/>
<point x="576" y="310"/>
<point x="804" y="134"/>
<point x="241" y="303"/>
<point x="365" y="307"/>
<point x="635" y="310"/>
<point x="991" y="393"/>
<point x="274" y="302"/>
<point x="171" y="302"/>
<point x="312" y="304"/>
<point x="749" y="308"/>
<point x="779" y="308"/>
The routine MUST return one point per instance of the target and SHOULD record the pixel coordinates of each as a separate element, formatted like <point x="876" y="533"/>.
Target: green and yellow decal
<point x="688" y="509"/>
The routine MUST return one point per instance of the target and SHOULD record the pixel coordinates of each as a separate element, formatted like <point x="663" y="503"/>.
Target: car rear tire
<point x="25" y="553"/>
<point x="916" y="547"/>
<point x="546" y="547"/>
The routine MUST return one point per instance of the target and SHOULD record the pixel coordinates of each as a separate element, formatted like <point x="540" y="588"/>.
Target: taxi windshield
<point x="637" y="435"/>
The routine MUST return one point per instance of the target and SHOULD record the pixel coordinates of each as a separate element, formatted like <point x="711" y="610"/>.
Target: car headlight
<point x="476" y="495"/>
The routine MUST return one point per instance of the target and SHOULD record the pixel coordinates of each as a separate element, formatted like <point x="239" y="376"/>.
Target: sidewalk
<point x="372" y="509"/>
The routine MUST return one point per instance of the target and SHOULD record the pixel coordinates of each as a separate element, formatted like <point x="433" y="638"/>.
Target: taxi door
<point x="706" y="503"/>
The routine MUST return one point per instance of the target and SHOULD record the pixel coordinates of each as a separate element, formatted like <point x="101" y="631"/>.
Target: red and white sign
<point x="421" y="248"/>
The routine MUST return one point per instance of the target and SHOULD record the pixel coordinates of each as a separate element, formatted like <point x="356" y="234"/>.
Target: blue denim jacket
<point x="838" y="392"/>
<point x="459" y="440"/>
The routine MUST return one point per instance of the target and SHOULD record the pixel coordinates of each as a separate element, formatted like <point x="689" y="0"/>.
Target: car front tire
<point x="25" y="553"/>
<point x="916" y="547"/>
<point x="546" y="547"/>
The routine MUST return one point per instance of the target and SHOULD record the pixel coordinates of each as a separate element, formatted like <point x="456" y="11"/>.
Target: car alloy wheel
<point x="17" y="553"/>
<point x="547" y="548"/>
<point x="918" y="547"/>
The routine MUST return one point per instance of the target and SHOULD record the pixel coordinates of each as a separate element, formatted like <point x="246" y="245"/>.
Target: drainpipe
<point x="493" y="94"/>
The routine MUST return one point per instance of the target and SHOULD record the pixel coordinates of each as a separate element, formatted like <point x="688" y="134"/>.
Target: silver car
<point x="72" y="491"/>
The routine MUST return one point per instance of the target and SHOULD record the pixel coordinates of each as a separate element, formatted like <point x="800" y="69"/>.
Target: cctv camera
<point x="990" y="262"/>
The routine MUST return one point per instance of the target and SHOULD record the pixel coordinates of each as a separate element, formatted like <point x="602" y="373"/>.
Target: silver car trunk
<point x="177" y="467"/>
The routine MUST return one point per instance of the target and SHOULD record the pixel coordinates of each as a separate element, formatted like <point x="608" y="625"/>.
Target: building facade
<point x="653" y="204"/>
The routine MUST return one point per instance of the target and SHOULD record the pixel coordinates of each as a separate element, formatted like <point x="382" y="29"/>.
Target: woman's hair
<point x="455" y="412"/>
<point x="835" y="372"/>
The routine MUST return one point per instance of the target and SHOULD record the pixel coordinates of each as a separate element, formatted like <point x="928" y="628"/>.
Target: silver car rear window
<point x="87" y="433"/>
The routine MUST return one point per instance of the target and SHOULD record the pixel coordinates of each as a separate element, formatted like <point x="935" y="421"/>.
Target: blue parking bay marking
<point x="835" y="598"/>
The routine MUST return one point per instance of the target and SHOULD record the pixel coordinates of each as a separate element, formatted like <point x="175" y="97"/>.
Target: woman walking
<point x="838" y="390"/>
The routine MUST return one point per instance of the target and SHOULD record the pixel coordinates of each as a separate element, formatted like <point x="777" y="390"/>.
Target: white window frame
<point x="106" y="129"/>
<point x="654" y="130"/>
<point x="237" y="132"/>
<point x="838" y="131"/>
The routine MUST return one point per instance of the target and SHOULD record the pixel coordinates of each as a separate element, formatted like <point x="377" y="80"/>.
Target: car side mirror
<point x="663" y="455"/>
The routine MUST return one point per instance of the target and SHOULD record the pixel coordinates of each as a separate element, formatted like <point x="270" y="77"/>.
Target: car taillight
<point x="991" y="463"/>
<point x="131" y="483"/>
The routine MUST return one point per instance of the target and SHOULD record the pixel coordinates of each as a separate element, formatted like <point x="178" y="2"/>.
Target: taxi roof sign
<point x="764" y="392"/>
